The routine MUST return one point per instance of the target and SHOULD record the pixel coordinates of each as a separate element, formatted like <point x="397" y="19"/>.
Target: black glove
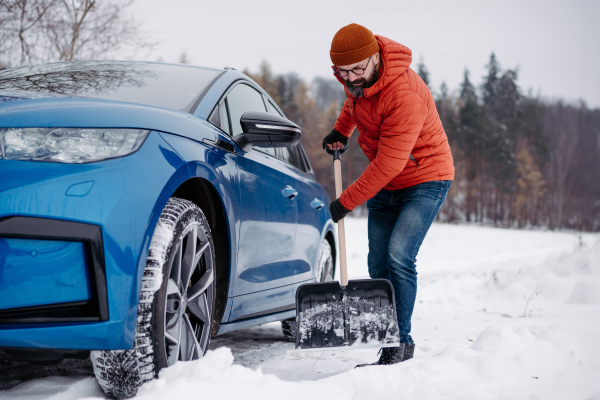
<point x="334" y="137"/>
<point x="338" y="211"/>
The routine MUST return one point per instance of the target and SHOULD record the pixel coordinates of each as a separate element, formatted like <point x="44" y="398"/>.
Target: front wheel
<point x="176" y="303"/>
<point x="323" y="273"/>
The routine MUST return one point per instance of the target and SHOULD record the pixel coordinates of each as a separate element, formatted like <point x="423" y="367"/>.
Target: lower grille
<point x="81" y="311"/>
<point x="78" y="304"/>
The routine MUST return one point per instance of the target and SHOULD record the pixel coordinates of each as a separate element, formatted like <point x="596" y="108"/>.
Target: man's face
<point x="357" y="83"/>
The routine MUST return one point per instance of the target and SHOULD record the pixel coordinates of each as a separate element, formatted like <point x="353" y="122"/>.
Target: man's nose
<point x="350" y="75"/>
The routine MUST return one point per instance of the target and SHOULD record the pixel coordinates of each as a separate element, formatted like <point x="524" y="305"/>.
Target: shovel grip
<point x="337" y="168"/>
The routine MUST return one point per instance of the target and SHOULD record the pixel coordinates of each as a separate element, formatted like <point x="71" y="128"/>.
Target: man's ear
<point x="377" y="58"/>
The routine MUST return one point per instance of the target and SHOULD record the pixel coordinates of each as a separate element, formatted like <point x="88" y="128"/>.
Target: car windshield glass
<point x="171" y="86"/>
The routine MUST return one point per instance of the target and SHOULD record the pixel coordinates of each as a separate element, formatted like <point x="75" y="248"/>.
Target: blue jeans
<point x="398" y="223"/>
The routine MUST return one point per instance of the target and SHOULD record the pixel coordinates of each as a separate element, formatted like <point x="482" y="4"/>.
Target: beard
<point x="357" y="87"/>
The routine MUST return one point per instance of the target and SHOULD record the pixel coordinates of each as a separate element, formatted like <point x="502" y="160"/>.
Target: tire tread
<point x="121" y="373"/>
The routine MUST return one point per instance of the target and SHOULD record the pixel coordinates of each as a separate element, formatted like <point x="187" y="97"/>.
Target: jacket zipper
<point x="412" y="158"/>
<point x="418" y="165"/>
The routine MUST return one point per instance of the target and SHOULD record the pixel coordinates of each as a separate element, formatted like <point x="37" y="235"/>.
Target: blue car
<point x="145" y="207"/>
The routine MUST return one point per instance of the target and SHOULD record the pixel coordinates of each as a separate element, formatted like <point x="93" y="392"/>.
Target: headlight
<point x="68" y="145"/>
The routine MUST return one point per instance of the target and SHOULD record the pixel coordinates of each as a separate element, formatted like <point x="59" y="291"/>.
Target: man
<point x="410" y="166"/>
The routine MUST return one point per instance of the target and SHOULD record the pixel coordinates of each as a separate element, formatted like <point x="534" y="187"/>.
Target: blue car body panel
<point x="125" y="196"/>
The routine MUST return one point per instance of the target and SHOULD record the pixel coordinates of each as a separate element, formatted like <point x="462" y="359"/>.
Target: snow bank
<point x="215" y="377"/>
<point x="55" y="388"/>
<point x="551" y="287"/>
<point x="502" y="363"/>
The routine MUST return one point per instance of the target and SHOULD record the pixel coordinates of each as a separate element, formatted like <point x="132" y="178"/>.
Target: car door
<point x="311" y="207"/>
<point x="311" y="212"/>
<point x="268" y="215"/>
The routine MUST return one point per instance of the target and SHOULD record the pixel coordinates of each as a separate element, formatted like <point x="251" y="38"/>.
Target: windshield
<point x="171" y="86"/>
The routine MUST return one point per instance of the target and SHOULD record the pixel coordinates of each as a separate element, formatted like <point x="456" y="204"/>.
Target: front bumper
<point x="111" y="205"/>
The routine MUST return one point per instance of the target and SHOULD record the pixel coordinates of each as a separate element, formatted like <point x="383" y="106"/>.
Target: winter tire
<point x="176" y="303"/>
<point x="323" y="273"/>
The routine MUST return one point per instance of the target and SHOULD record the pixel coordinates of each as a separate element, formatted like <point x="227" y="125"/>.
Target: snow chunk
<point x="502" y="341"/>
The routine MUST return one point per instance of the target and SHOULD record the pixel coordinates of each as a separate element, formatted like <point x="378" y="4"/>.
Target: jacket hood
<point x="395" y="57"/>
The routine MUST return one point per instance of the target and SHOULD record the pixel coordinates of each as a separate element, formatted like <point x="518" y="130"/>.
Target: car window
<point x="271" y="109"/>
<point x="292" y="156"/>
<point x="219" y="117"/>
<point x="307" y="166"/>
<point x="269" y="150"/>
<point x="243" y="98"/>
<point x="225" y="125"/>
<point x="215" y="117"/>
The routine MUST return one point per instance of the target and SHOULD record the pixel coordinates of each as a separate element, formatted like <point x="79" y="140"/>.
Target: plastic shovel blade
<point x="363" y="314"/>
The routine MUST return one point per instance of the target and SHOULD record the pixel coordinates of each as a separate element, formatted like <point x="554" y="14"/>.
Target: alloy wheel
<point x="189" y="297"/>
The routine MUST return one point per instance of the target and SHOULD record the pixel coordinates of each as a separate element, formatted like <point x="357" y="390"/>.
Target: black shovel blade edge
<point x="362" y="313"/>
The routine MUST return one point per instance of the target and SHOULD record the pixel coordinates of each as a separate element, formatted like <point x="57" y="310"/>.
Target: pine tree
<point x="470" y="135"/>
<point x="327" y="91"/>
<point x="491" y="82"/>
<point x="443" y="90"/>
<point x="467" y="90"/>
<point x="423" y="72"/>
<point x="448" y="107"/>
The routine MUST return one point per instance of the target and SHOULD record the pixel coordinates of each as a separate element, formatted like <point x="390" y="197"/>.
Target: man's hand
<point x="338" y="211"/>
<point x="335" y="141"/>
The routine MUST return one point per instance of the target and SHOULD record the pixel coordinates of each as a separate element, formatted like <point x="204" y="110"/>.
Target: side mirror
<point x="266" y="130"/>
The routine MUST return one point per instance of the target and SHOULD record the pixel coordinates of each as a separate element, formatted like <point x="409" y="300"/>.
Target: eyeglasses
<point x="342" y="73"/>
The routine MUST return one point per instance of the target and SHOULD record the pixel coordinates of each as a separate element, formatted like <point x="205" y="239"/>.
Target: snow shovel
<point x="358" y="313"/>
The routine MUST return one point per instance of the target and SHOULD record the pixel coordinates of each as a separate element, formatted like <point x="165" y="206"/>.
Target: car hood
<point x="14" y="95"/>
<point x="26" y="110"/>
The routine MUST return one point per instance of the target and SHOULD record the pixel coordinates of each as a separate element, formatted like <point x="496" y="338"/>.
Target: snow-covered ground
<point x="500" y="314"/>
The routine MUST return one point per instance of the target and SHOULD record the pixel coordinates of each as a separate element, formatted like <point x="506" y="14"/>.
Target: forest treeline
<point x="521" y="161"/>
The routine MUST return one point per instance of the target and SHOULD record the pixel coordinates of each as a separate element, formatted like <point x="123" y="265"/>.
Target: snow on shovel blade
<point x="362" y="314"/>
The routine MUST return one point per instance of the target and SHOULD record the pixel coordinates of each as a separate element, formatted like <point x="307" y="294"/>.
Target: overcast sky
<point x="555" y="44"/>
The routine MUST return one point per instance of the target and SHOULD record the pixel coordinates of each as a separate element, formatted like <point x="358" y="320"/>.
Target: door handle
<point x="316" y="203"/>
<point x="289" y="192"/>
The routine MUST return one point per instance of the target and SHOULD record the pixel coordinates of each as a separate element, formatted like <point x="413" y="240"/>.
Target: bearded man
<point x="410" y="168"/>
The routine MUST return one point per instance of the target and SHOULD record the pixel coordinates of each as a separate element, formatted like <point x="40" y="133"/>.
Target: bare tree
<point x="66" y="30"/>
<point x="20" y="23"/>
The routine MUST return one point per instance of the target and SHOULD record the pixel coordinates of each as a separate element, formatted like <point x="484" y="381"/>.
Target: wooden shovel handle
<point x="337" y="167"/>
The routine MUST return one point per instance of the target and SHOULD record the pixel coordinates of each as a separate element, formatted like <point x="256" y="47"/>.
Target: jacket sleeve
<point x="400" y="128"/>
<point x="345" y="124"/>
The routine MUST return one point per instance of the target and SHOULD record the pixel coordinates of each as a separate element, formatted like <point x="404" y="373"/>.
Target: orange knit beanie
<point x="351" y="44"/>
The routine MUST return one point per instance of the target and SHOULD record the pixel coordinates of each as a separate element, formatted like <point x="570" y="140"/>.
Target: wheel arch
<point x="204" y="195"/>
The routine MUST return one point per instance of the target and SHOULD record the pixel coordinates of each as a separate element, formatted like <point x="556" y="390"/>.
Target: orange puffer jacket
<point x="400" y="129"/>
